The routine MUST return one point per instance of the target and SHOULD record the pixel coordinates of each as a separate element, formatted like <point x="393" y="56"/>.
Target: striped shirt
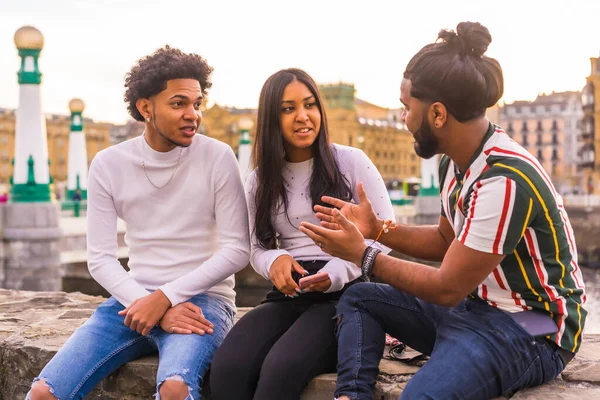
<point x="505" y="203"/>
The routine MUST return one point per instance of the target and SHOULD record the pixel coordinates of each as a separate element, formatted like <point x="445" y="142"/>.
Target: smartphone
<point x="310" y="279"/>
<point x="535" y="323"/>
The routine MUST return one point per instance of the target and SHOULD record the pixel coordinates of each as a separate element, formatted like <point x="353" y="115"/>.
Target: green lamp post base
<point x="30" y="193"/>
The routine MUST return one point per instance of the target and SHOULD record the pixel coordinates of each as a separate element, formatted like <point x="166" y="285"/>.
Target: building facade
<point x="7" y="144"/>
<point x="222" y="123"/>
<point x="590" y="132"/>
<point x="120" y="133"/>
<point x="378" y="131"/>
<point x="58" y="128"/>
<point x="549" y="128"/>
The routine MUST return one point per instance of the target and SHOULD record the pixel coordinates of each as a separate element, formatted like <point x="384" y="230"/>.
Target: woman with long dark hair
<point x="276" y="348"/>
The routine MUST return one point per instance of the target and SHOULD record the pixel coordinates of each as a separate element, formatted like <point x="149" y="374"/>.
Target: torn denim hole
<point x="45" y="383"/>
<point x="179" y="377"/>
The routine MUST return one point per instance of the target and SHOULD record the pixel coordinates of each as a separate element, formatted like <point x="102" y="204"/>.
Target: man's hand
<point x="362" y="214"/>
<point x="281" y="275"/>
<point x="186" y="318"/>
<point x="143" y="314"/>
<point x="346" y="242"/>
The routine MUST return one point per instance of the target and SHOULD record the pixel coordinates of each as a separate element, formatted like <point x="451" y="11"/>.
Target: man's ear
<point x="439" y="114"/>
<point x="144" y="106"/>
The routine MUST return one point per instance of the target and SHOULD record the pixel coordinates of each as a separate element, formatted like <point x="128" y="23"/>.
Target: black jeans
<point x="274" y="350"/>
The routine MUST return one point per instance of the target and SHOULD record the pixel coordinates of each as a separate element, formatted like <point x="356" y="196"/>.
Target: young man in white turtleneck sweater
<point x="182" y="200"/>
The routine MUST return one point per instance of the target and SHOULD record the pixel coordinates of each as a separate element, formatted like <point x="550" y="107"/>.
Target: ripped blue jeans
<point x="477" y="351"/>
<point x="103" y="344"/>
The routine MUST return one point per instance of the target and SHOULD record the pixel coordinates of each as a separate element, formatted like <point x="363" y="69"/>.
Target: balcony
<point x="586" y="156"/>
<point x="587" y="128"/>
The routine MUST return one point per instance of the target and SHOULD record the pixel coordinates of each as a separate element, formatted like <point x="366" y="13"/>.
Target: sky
<point x="543" y="46"/>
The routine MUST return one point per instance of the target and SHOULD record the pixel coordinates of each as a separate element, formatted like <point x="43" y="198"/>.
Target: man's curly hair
<point x="150" y="74"/>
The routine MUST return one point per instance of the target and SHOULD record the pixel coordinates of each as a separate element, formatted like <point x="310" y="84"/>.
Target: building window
<point x="540" y="155"/>
<point x="540" y="127"/>
<point x="525" y="141"/>
<point x="4" y="140"/>
<point x="524" y="128"/>
<point x="510" y="129"/>
<point x="554" y="125"/>
<point x="554" y="155"/>
<point x="539" y="141"/>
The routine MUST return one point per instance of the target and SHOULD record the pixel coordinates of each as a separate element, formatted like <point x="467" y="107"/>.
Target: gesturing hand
<point x="345" y="241"/>
<point x="361" y="215"/>
<point x="143" y="314"/>
<point x="186" y="318"/>
<point x="281" y="274"/>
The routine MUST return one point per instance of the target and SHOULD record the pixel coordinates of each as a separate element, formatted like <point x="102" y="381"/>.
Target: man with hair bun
<point x="181" y="197"/>
<point x="505" y="309"/>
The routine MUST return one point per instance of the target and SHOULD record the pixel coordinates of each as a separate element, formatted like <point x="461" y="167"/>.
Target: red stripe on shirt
<point x="503" y="217"/>
<point x="538" y="267"/>
<point x="471" y="213"/>
<point x="531" y="160"/>
<point x="499" y="279"/>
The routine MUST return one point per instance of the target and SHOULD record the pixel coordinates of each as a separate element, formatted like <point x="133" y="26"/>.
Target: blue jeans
<point x="103" y="344"/>
<point x="477" y="351"/>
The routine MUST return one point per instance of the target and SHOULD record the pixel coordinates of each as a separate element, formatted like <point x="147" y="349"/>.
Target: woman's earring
<point x="147" y="119"/>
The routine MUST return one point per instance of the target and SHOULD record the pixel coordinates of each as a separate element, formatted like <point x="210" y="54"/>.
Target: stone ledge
<point x="34" y="325"/>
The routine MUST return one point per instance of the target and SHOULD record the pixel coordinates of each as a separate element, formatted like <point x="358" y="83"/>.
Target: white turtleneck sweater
<point x="356" y="167"/>
<point x="186" y="238"/>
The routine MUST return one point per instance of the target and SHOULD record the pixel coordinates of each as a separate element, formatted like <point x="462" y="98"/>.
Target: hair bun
<point x="470" y="38"/>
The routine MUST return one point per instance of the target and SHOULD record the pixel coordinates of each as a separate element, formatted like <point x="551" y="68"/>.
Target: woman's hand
<point x="281" y="274"/>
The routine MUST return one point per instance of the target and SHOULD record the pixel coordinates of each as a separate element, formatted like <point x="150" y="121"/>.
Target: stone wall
<point x="30" y="246"/>
<point x="586" y="226"/>
<point x="34" y="325"/>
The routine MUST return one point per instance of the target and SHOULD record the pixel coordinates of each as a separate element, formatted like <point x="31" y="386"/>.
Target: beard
<point x="426" y="144"/>
<point x="165" y="137"/>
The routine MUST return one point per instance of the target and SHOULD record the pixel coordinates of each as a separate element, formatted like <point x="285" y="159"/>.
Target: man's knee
<point x="174" y="388"/>
<point x="353" y="295"/>
<point x="41" y="391"/>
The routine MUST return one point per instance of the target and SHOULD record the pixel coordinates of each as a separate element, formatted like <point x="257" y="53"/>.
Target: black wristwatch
<point x="368" y="261"/>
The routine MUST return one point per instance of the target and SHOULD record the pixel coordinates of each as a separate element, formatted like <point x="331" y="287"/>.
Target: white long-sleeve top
<point x="186" y="238"/>
<point x="356" y="167"/>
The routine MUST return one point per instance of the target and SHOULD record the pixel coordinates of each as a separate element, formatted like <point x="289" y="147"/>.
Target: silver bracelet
<point x="368" y="261"/>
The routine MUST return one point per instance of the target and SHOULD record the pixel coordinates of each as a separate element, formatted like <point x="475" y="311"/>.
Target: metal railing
<point x="583" y="200"/>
